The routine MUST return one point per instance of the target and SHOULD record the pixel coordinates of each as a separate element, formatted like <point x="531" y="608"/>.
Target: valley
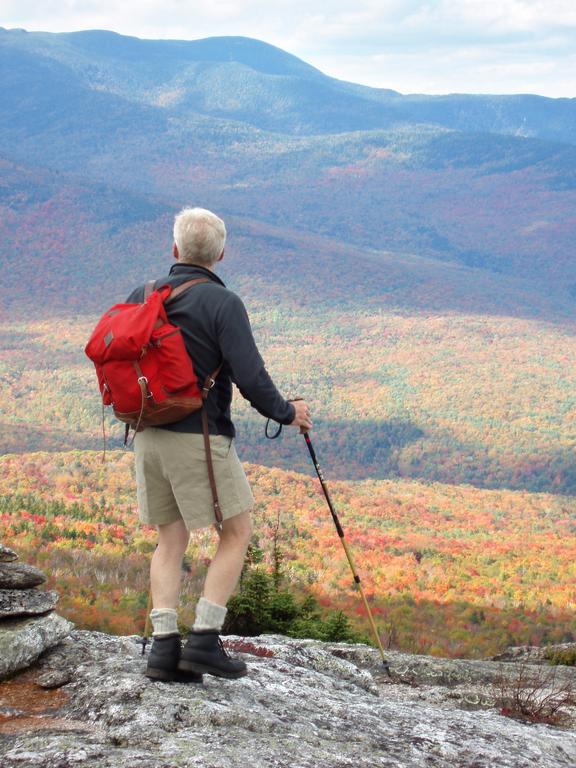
<point x="408" y="266"/>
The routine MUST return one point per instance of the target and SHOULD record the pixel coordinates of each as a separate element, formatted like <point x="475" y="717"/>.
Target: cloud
<point x="434" y="46"/>
<point x="446" y="23"/>
<point x="490" y="70"/>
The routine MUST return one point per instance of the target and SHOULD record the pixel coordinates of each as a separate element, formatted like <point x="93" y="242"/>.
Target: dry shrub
<point x="536" y="695"/>
<point x="566" y="657"/>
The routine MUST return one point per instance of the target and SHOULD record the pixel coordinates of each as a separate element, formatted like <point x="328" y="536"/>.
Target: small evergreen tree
<point x="283" y="611"/>
<point x="308" y="622"/>
<point x="249" y="610"/>
<point x="258" y="607"/>
<point x="337" y="628"/>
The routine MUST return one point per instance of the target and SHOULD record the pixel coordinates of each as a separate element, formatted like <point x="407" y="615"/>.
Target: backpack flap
<point x="125" y="329"/>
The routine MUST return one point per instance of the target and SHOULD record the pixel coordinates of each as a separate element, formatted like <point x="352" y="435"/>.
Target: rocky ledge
<point x="304" y="704"/>
<point x="28" y="625"/>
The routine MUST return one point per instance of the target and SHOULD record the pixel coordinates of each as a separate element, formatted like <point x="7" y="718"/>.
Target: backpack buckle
<point x="143" y="381"/>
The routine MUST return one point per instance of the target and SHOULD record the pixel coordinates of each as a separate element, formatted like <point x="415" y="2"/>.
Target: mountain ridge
<point x="359" y="106"/>
<point x="297" y="148"/>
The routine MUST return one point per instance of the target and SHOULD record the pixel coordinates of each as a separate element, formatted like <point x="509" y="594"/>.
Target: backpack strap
<point x="184" y="287"/>
<point x="210" y="465"/>
<point x="209" y="382"/>
<point x="150" y="285"/>
<point x="148" y="288"/>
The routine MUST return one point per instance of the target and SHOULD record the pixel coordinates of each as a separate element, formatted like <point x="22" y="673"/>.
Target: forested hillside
<point x="449" y="570"/>
<point x="458" y="398"/>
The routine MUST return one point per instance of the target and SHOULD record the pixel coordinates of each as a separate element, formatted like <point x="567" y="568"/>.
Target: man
<point x="171" y="473"/>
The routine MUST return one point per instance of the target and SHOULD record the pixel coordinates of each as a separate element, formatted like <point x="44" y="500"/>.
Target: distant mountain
<point x="243" y="79"/>
<point x="115" y="133"/>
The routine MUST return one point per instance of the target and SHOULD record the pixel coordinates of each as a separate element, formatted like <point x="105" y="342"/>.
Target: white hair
<point x="199" y="236"/>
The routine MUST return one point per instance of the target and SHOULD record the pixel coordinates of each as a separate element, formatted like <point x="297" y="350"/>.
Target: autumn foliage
<point x="448" y="570"/>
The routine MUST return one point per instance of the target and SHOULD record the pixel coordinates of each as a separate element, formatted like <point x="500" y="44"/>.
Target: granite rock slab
<point x="7" y="555"/>
<point x="533" y="654"/>
<point x="20" y="576"/>
<point x="303" y="704"/>
<point x="23" y="640"/>
<point x="26" y="602"/>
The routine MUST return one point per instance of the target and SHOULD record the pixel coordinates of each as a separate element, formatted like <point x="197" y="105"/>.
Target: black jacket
<point x="216" y="328"/>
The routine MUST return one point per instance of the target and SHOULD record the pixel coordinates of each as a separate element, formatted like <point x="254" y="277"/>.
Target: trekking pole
<point x="346" y="548"/>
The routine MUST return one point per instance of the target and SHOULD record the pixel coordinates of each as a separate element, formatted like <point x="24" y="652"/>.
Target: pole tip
<point x="143" y="641"/>
<point x="387" y="668"/>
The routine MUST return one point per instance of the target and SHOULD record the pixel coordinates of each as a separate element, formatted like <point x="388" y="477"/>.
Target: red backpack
<point x="144" y="371"/>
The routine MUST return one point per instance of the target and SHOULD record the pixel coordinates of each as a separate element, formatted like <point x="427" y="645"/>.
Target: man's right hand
<point x="302" y="417"/>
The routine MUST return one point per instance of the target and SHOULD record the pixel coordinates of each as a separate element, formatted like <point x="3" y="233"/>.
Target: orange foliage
<point x="452" y="569"/>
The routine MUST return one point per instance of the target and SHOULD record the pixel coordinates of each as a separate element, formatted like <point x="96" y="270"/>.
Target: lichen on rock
<point x="304" y="704"/>
<point x="26" y="602"/>
<point x="22" y="640"/>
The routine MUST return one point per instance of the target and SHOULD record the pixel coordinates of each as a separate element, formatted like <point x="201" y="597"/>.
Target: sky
<point x="440" y="46"/>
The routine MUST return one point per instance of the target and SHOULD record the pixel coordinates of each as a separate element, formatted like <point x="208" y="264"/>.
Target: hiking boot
<point x="204" y="652"/>
<point x="163" y="661"/>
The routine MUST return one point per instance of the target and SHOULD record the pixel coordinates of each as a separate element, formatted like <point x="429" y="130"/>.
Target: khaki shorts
<point x="172" y="478"/>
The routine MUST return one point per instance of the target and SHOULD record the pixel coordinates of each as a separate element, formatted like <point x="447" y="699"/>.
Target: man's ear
<point x="221" y="256"/>
<point x="175" y="252"/>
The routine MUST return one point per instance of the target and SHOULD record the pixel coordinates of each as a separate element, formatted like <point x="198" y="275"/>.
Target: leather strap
<point x="211" y="477"/>
<point x="184" y="287"/>
<point x="145" y="394"/>
<point x="149" y="287"/>
<point x="209" y="382"/>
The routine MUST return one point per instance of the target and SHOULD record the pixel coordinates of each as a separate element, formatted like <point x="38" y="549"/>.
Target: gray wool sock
<point x="209" y="615"/>
<point x="164" y="622"/>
